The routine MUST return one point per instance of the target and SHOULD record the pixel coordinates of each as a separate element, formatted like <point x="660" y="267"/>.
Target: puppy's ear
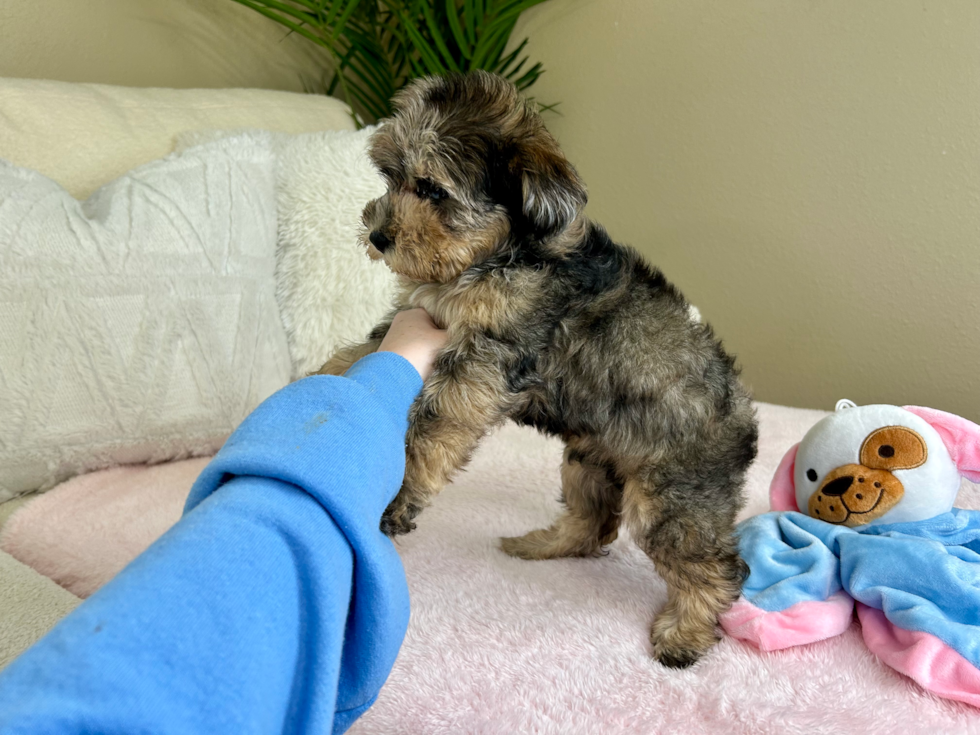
<point x="534" y="180"/>
<point x="553" y="193"/>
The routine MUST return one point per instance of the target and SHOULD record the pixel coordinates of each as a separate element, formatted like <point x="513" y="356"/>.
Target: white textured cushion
<point x="85" y="135"/>
<point x="329" y="291"/>
<point x="140" y="325"/>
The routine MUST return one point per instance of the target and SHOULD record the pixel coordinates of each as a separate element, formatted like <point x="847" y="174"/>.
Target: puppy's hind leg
<point x="340" y="362"/>
<point x="690" y="539"/>
<point x="590" y="520"/>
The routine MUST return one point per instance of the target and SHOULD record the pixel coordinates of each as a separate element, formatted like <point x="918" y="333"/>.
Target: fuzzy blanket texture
<point x="329" y="292"/>
<point x="499" y="645"/>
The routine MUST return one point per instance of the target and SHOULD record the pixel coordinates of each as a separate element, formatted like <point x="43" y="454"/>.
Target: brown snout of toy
<point x="853" y="495"/>
<point x="856" y="494"/>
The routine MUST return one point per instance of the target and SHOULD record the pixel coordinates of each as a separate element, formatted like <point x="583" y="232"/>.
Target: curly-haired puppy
<point x="553" y="325"/>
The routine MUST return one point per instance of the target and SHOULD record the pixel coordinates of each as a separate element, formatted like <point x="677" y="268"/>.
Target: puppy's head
<point x="470" y="170"/>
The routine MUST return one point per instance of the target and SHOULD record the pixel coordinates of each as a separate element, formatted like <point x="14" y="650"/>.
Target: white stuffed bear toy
<point x="863" y="519"/>
<point x="877" y="464"/>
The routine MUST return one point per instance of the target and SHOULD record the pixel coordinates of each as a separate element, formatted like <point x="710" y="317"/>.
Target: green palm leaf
<point x="452" y="16"/>
<point x="379" y="46"/>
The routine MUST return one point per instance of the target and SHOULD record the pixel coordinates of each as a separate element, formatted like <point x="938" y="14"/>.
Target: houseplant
<point x="378" y="46"/>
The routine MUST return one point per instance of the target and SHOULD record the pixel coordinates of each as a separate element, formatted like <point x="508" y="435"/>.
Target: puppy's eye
<point x="811" y="475"/>
<point x="425" y="189"/>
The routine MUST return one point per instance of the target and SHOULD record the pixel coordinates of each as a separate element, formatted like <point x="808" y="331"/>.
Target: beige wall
<point x="807" y="172"/>
<point x="152" y="43"/>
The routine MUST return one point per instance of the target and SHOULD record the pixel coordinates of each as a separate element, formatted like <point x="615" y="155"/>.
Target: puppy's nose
<point x="380" y="240"/>
<point x="838" y="486"/>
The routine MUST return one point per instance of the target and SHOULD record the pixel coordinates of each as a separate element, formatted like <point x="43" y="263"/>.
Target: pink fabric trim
<point x="797" y="625"/>
<point x="921" y="656"/>
<point x="782" y="490"/>
<point x="961" y="437"/>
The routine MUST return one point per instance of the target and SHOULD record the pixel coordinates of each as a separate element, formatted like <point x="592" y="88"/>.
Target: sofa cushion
<point x="29" y="606"/>
<point x="329" y="292"/>
<point x="85" y="135"/>
<point x="84" y="531"/>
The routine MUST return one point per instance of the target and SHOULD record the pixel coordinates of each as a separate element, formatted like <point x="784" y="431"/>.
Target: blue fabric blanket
<point x="923" y="576"/>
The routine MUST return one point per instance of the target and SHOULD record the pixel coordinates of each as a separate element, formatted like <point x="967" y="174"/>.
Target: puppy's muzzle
<point x="380" y="240"/>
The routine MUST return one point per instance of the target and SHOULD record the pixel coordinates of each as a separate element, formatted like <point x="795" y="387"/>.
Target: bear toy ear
<point x="782" y="491"/>
<point x="961" y="437"/>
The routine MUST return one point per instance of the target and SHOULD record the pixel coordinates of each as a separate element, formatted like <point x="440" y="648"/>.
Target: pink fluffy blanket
<point x="500" y="645"/>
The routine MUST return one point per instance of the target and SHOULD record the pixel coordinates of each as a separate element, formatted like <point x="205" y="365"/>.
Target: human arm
<point x="275" y="604"/>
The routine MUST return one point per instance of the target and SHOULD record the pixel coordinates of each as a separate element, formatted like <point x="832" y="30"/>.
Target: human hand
<point x="414" y="336"/>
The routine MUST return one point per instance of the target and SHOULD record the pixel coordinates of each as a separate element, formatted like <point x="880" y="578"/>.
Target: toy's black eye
<point x="425" y="189"/>
<point x="886" y="450"/>
<point x="811" y="475"/>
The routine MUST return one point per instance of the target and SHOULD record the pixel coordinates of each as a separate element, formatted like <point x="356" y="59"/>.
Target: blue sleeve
<point x="274" y="605"/>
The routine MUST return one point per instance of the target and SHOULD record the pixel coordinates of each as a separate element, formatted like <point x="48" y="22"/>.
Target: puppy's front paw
<point x="397" y="518"/>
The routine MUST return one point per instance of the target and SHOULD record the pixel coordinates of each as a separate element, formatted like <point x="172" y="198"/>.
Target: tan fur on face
<point x="424" y="248"/>
<point x="428" y="141"/>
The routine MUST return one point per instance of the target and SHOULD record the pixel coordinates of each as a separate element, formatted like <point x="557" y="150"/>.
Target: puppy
<point x="553" y="325"/>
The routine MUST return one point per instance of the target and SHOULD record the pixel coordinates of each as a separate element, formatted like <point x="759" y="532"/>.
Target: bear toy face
<point x="874" y="464"/>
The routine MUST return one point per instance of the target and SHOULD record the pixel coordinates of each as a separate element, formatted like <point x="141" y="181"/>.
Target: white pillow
<point x="329" y="291"/>
<point x="141" y="325"/>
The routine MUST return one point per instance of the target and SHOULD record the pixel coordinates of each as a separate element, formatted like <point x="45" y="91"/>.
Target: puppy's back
<point x="633" y="365"/>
